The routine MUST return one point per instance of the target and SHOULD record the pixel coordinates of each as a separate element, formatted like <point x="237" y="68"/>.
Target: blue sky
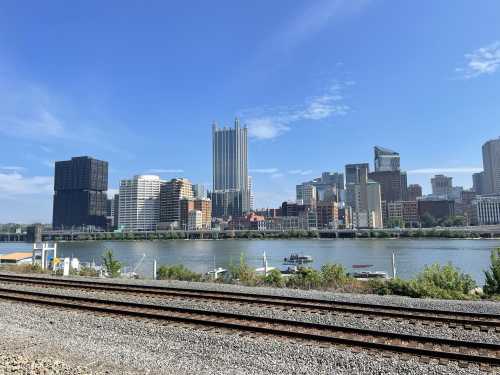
<point x="319" y="83"/>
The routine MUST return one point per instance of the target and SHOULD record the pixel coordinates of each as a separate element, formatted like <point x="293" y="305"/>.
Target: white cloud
<point x="484" y="60"/>
<point x="300" y="172"/>
<point x="277" y="175"/>
<point x="270" y="122"/>
<point x="12" y="184"/>
<point x="165" y="171"/>
<point x="445" y="170"/>
<point x="13" y="168"/>
<point x="264" y="170"/>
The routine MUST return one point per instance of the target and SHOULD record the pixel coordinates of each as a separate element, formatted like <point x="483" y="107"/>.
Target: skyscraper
<point x="230" y="196"/>
<point x="80" y="186"/>
<point x="414" y="192"/>
<point x="478" y="183"/>
<point x="352" y="172"/>
<point x="171" y="193"/>
<point x="386" y="160"/>
<point x="442" y="185"/>
<point x="139" y="206"/>
<point x="366" y="202"/>
<point x="491" y="166"/>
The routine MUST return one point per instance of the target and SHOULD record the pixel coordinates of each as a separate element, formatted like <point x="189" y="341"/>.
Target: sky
<point x="318" y="83"/>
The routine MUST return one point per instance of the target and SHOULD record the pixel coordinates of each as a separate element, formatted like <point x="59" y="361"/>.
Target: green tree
<point x="428" y="221"/>
<point x="333" y="275"/>
<point x="274" y="278"/>
<point x="492" y="285"/>
<point x="111" y="265"/>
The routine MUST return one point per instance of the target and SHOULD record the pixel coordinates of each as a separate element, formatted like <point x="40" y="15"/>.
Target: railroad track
<point x="487" y="355"/>
<point x="453" y="319"/>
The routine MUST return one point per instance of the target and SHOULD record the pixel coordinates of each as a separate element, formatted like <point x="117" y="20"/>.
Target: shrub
<point x="177" y="272"/>
<point x="305" y="278"/>
<point x="492" y="286"/>
<point x="87" y="271"/>
<point x="333" y="275"/>
<point x="110" y="264"/>
<point x="274" y="278"/>
<point x="243" y="272"/>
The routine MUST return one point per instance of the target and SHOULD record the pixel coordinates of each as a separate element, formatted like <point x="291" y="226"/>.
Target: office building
<point x="171" y="194"/>
<point x="203" y="205"/>
<point x="386" y="160"/>
<point x="195" y="220"/>
<point x="353" y="171"/>
<point x="486" y="210"/>
<point x="405" y="212"/>
<point x="393" y="184"/>
<point x="139" y="203"/>
<point x="230" y="195"/>
<point x="437" y="208"/>
<point x="250" y="193"/>
<point x="80" y="186"/>
<point x="366" y="202"/>
<point x="199" y="191"/>
<point x="442" y="186"/>
<point x="491" y="166"/>
<point x="414" y="192"/>
<point x="328" y="214"/>
<point x="116" y="209"/>
<point x="292" y="209"/>
<point x="478" y="183"/>
<point x="307" y="194"/>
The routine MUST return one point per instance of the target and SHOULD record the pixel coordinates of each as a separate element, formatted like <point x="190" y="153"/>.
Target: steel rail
<point x="395" y="312"/>
<point x="363" y="338"/>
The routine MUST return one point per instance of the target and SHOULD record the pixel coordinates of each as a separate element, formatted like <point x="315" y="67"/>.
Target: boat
<point x="365" y="275"/>
<point x="295" y="258"/>
<point x="216" y="272"/>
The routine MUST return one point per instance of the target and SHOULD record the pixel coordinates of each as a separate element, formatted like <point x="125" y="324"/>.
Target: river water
<point x="412" y="255"/>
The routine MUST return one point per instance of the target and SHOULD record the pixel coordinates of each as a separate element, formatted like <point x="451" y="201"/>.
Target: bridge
<point x="70" y="235"/>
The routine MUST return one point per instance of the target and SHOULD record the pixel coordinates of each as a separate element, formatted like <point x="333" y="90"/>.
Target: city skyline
<point x="314" y="93"/>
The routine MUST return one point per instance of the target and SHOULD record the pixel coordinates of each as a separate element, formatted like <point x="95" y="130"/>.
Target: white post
<point x="265" y="263"/>
<point x="393" y="266"/>
<point x="154" y="269"/>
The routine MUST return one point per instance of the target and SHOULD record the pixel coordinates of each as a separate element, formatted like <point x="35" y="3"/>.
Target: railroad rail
<point x="453" y="319"/>
<point x="484" y="354"/>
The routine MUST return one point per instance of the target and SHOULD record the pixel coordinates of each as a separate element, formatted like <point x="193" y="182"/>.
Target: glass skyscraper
<point x="491" y="164"/>
<point x="386" y="160"/>
<point x="230" y="195"/>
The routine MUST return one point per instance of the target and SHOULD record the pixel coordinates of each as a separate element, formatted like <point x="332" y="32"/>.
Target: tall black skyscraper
<point x="80" y="186"/>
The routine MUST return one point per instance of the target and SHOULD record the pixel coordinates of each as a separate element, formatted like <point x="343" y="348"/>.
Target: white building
<point x="365" y="198"/>
<point x="195" y="220"/>
<point x="139" y="203"/>
<point x="486" y="210"/>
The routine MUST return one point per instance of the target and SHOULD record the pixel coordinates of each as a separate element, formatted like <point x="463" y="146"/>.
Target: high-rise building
<point x="80" y="186"/>
<point x="478" y="183"/>
<point x="171" y="193"/>
<point x="139" y="203"/>
<point x="386" y="160"/>
<point x="116" y="209"/>
<point x="414" y="192"/>
<point x="250" y="193"/>
<point x="199" y="191"/>
<point x="353" y="171"/>
<point x="392" y="184"/>
<point x="203" y="205"/>
<point x="307" y="194"/>
<point x="334" y="178"/>
<point x="491" y="166"/>
<point x="442" y="186"/>
<point x="230" y="195"/>
<point x="366" y="202"/>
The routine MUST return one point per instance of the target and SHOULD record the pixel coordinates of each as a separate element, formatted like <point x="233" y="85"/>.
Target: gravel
<point x="103" y="344"/>
<point x="490" y="307"/>
<point x="347" y="320"/>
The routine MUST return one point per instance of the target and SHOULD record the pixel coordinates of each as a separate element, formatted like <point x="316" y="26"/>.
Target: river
<point x="412" y="255"/>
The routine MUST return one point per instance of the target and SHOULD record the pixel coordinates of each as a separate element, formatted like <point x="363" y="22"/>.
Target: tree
<point x="111" y="265"/>
<point x="274" y="278"/>
<point x="492" y="285"/>
<point x="428" y="221"/>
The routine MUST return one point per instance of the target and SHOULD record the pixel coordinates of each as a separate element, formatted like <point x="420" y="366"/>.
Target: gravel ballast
<point x="347" y="320"/>
<point x="104" y="344"/>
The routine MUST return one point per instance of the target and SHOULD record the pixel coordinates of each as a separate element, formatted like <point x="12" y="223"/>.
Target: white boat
<point x="295" y="258"/>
